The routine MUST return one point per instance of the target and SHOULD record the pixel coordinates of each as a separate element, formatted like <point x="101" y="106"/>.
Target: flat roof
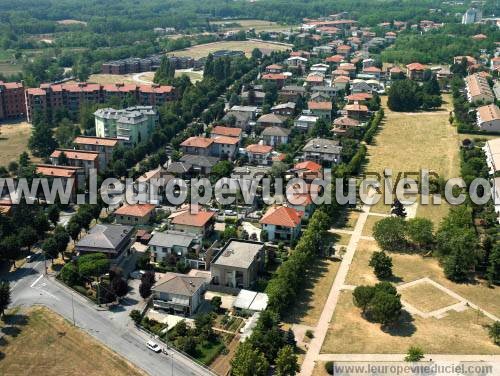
<point x="238" y="254"/>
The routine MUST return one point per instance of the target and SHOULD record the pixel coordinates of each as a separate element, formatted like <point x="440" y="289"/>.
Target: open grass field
<point x="313" y="297"/>
<point x="39" y="342"/>
<point x="104" y="79"/>
<point x="409" y="142"/>
<point x="202" y="50"/>
<point x="427" y="297"/>
<point x="410" y="267"/>
<point x="258" y="25"/>
<point x="71" y="22"/>
<point x="14" y="138"/>
<point x="458" y="333"/>
<point x="8" y="69"/>
<point x="319" y="369"/>
<point x="370" y="222"/>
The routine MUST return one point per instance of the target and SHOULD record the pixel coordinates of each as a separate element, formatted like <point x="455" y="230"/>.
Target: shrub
<point x="309" y="334"/>
<point x="329" y="367"/>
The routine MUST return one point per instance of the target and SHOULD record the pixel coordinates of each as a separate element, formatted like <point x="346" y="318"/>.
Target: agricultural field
<point x="409" y="142"/>
<point x="14" y="137"/>
<point x="38" y="341"/>
<point x="258" y="25"/>
<point x="202" y="50"/>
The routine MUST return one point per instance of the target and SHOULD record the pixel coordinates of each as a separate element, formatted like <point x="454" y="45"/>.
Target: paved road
<point x="114" y="329"/>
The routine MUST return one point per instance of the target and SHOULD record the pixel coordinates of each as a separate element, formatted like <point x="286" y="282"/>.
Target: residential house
<point x="357" y="111"/>
<point x="315" y="79"/>
<point x="238" y="119"/>
<point x="373" y="71"/>
<point x="274" y="68"/>
<point x="321" y="109"/>
<point x="342" y="124"/>
<point x="284" y="109"/>
<point x="305" y="122"/>
<point x="319" y="68"/>
<point x="488" y="118"/>
<point x="258" y="97"/>
<point x="225" y="147"/>
<point x="278" y="78"/>
<point x="362" y="98"/>
<point x="104" y="146"/>
<point x="271" y="120"/>
<point x="225" y="131"/>
<point x="291" y="92"/>
<point x="197" y="146"/>
<point x="251" y="110"/>
<point x="69" y="176"/>
<point x="396" y="73"/>
<point x="495" y="63"/>
<point x="334" y="61"/>
<point x="275" y="136"/>
<point x="259" y="154"/>
<point x="322" y="150"/>
<point x="178" y="293"/>
<point x="137" y="214"/>
<point x="173" y="244"/>
<point x="390" y="37"/>
<point x="238" y="264"/>
<point x="492" y="151"/>
<point x="299" y="197"/>
<point x="341" y="82"/>
<point x="192" y="221"/>
<point x="296" y="61"/>
<point x="307" y="171"/>
<point x="12" y="100"/>
<point x="281" y="223"/>
<point x="344" y="50"/>
<point x="416" y="71"/>
<point x="77" y="158"/>
<point x="478" y="89"/>
<point x="112" y="240"/>
<point x="200" y="164"/>
<point x="350" y="68"/>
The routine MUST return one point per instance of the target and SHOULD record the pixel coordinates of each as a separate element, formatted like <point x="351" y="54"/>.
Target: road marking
<point x="36" y="281"/>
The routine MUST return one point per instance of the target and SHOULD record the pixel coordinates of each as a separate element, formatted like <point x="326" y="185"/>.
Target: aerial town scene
<point x="249" y="187"/>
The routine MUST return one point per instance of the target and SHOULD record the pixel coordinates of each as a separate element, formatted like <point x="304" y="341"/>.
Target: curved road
<point x="113" y="328"/>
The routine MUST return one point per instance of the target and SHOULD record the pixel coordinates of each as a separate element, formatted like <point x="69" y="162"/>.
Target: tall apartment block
<point x="72" y="96"/>
<point x="12" y="101"/>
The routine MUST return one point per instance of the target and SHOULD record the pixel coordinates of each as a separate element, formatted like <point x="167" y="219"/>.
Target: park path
<point x="323" y="325"/>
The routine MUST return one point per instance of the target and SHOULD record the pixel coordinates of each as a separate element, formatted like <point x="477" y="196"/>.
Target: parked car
<point x="29" y="258"/>
<point x="153" y="346"/>
<point x="137" y="274"/>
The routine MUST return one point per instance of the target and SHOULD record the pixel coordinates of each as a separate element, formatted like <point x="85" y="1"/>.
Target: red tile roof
<point x="334" y="59"/>
<point x="359" y="97"/>
<point x="226" y="131"/>
<point x="416" y="66"/>
<point x="308" y="165"/>
<point x="281" y="216"/>
<point x="258" y="149"/>
<point x="356" y="107"/>
<point x="226" y="140"/>
<point x="342" y="79"/>
<point x="274" y="76"/>
<point x="56" y="171"/>
<point x="82" y="155"/>
<point x="100" y="141"/>
<point x="199" y="219"/>
<point x="137" y="210"/>
<point x="198" y="142"/>
<point x="372" y="70"/>
<point x="325" y="106"/>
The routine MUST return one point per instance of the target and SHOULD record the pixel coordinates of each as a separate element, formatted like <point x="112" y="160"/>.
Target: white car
<point x="137" y="274"/>
<point x="29" y="258"/>
<point x="153" y="346"/>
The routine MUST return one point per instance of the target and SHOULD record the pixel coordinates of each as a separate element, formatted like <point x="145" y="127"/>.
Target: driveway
<point x="250" y="228"/>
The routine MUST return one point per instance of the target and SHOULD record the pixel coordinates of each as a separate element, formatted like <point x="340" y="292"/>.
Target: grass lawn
<point x="409" y="142"/>
<point x="319" y="369"/>
<point x="194" y="76"/>
<point x="40" y="342"/>
<point x="313" y="297"/>
<point x="104" y="79"/>
<point x="370" y="222"/>
<point x="203" y="50"/>
<point x="209" y="351"/>
<point x="258" y="25"/>
<point x="360" y="273"/>
<point x="427" y="297"/>
<point x="342" y="239"/>
<point x="14" y="139"/>
<point x="9" y="69"/>
<point x="458" y="333"/>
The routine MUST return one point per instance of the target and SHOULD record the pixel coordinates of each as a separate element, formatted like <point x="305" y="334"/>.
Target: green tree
<point x="404" y="96"/>
<point x="256" y="53"/>
<point x="385" y="308"/>
<point x="398" y="209"/>
<point x="494" y="332"/>
<point x="362" y="296"/>
<point x="10" y="248"/>
<point x="53" y="213"/>
<point x="165" y="72"/>
<point x="50" y="248"/>
<point x="248" y="362"/>
<point x="390" y="233"/>
<point x="69" y="274"/>
<point x="420" y="232"/>
<point x="27" y="237"/>
<point x="414" y="354"/>
<point x="62" y="239"/>
<point x="286" y="362"/>
<point x="4" y="297"/>
<point x="381" y="264"/>
<point x="42" y="142"/>
<point x="216" y="303"/>
<point x="135" y="315"/>
<point x="493" y="271"/>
